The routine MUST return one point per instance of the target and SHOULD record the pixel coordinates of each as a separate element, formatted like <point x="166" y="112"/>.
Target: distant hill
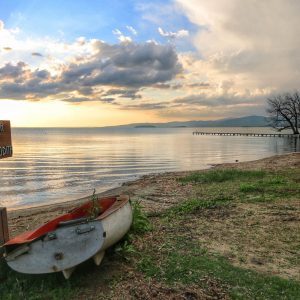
<point x="145" y="126"/>
<point x="249" y="121"/>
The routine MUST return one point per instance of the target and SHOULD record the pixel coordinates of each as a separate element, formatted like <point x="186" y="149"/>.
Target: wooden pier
<point x="247" y="134"/>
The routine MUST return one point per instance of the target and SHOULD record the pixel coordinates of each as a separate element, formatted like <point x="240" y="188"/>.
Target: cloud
<point x="121" y="37"/>
<point x="75" y="99"/>
<point x="146" y="106"/>
<point x="200" y="100"/>
<point x="10" y="71"/>
<point x="131" y="30"/>
<point x="179" y="34"/>
<point x="164" y="86"/>
<point x="254" y="43"/>
<point x="124" y="93"/>
<point x="36" y="54"/>
<point x="117" y="32"/>
<point x="131" y="65"/>
<point x="121" y="68"/>
<point x="125" y="39"/>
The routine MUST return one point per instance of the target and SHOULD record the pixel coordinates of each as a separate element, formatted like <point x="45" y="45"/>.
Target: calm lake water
<point x="52" y="165"/>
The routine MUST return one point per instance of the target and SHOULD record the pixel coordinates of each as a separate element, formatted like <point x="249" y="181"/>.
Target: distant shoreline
<point x="247" y="121"/>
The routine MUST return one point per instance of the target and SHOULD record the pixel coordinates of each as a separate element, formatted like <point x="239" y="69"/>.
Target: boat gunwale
<point x="121" y="200"/>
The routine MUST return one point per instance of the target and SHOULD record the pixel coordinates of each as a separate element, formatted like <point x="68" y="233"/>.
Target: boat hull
<point x="116" y="225"/>
<point x="68" y="246"/>
<point x="68" y="249"/>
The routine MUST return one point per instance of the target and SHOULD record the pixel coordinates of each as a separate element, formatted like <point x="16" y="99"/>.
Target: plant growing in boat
<point x="95" y="209"/>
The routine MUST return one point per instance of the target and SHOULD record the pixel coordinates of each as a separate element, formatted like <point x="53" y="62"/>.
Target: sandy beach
<point x="156" y="192"/>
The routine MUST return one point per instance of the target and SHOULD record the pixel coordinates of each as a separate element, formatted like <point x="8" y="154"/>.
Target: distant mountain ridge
<point x="248" y="121"/>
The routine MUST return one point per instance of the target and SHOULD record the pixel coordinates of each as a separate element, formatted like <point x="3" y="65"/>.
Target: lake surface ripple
<point x="52" y="165"/>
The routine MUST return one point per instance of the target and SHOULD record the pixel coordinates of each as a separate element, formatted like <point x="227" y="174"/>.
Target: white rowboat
<point x="65" y="242"/>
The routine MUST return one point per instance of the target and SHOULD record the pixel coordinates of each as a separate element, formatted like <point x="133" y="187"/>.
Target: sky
<point x="97" y="63"/>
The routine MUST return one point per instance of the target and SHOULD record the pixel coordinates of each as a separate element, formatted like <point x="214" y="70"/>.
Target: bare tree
<point x="284" y="111"/>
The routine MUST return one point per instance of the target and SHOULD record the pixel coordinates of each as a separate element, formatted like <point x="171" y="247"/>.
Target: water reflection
<point x="51" y="165"/>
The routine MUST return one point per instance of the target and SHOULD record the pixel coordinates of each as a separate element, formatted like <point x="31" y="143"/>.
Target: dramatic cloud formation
<point x="253" y="43"/>
<point x="199" y="59"/>
<point x="126" y="67"/>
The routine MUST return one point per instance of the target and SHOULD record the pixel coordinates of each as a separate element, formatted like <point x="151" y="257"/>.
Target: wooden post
<point x="4" y="236"/>
<point x="6" y="149"/>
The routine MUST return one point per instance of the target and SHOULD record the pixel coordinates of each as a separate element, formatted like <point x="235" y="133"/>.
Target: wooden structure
<point x="245" y="134"/>
<point x="4" y="237"/>
<point x="5" y="151"/>
<point x="5" y="140"/>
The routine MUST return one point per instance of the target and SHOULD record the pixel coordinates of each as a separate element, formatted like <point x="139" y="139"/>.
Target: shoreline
<point x="119" y="188"/>
<point x="155" y="191"/>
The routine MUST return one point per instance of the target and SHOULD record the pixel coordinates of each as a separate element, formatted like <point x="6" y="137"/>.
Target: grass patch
<point x="269" y="183"/>
<point x="195" y="265"/>
<point x="245" y="186"/>
<point x="140" y="222"/>
<point x="194" y="205"/>
<point x="35" y="287"/>
<point x="222" y="176"/>
<point x="140" y="225"/>
<point x="181" y="258"/>
<point x="269" y="188"/>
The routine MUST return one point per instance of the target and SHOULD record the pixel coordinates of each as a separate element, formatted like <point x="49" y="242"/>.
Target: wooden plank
<point x="5" y="140"/>
<point x="4" y="236"/>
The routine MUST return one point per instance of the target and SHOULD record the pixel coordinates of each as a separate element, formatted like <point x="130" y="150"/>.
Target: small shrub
<point x="140" y="225"/>
<point x="140" y="222"/>
<point x="125" y="248"/>
<point x="95" y="210"/>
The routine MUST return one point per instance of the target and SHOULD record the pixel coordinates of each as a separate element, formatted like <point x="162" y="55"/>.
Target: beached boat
<point x="68" y="240"/>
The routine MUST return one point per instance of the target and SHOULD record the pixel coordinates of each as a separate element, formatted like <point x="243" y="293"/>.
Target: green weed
<point x="194" y="205"/>
<point x="269" y="188"/>
<point x="222" y="176"/>
<point x="37" y="287"/>
<point x="125" y="249"/>
<point x="140" y="223"/>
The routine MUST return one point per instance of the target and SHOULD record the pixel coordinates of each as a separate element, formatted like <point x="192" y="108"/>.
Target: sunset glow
<point x="116" y="63"/>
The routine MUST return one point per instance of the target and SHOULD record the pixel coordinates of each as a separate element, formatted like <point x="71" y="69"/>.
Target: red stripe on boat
<point x="80" y="212"/>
